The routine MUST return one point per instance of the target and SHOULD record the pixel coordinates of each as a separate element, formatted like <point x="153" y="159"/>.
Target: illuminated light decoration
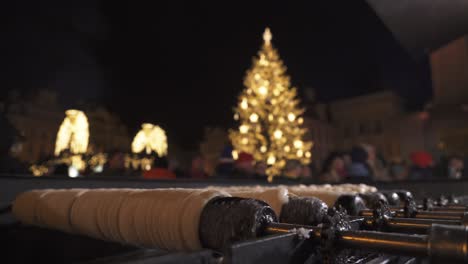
<point x="236" y="116"/>
<point x="235" y="154"/>
<point x="38" y="170"/>
<point x="253" y="118"/>
<point x="244" y="129"/>
<point x="300" y="120"/>
<point x="300" y="153"/>
<point x="150" y="138"/>
<point x="271" y="160"/>
<point x="308" y="154"/>
<point x="73" y="134"/>
<point x="244" y="104"/>
<point x="298" y="143"/>
<point x="273" y="114"/>
<point x="73" y="172"/>
<point x="277" y="134"/>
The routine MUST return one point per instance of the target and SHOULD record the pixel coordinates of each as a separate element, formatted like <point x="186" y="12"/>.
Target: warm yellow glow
<point x="73" y="133"/>
<point x="244" y="129"/>
<point x="273" y="116"/>
<point x="244" y="104"/>
<point x="298" y="143"/>
<point x="235" y="155"/>
<point x="267" y="36"/>
<point x="236" y="116"/>
<point x="308" y="154"/>
<point x="278" y="134"/>
<point x="253" y="118"/>
<point x="262" y="90"/>
<point x="77" y="162"/>
<point x="38" y="170"/>
<point x="150" y="138"/>
<point x="271" y="160"/>
<point x="300" y="153"/>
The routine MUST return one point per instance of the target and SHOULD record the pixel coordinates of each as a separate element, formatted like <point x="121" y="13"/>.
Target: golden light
<point x="308" y="154"/>
<point x="278" y="134"/>
<point x="262" y="90"/>
<point x="253" y="118"/>
<point x="236" y="116"/>
<point x="298" y="143"/>
<point x="244" y="129"/>
<point x="73" y="133"/>
<point x="244" y="104"/>
<point x="267" y="36"/>
<point x="271" y="160"/>
<point x="235" y="155"/>
<point x="300" y="153"/>
<point x="150" y="138"/>
<point x="269" y="108"/>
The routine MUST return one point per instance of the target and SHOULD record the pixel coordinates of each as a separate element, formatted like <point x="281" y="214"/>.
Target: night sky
<point x="181" y="64"/>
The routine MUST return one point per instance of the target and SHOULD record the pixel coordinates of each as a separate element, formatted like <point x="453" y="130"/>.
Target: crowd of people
<point x="361" y="163"/>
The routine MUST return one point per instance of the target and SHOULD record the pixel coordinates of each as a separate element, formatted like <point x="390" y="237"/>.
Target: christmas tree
<point x="269" y="114"/>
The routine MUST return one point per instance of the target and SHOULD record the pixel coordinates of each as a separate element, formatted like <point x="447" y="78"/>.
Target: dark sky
<point x="180" y="64"/>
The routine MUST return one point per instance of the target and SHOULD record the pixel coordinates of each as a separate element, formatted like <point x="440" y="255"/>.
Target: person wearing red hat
<point x="422" y="166"/>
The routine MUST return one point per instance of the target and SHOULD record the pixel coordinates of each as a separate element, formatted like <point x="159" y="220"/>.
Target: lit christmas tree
<point x="269" y="114"/>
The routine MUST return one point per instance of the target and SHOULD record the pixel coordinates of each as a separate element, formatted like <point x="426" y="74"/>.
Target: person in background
<point x="421" y="168"/>
<point x="244" y="166"/>
<point x="359" y="168"/>
<point x="225" y="165"/>
<point x="455" y="168"/>
<point x="292" y="170"/>
<point x="115" y="166"/>
<point x="260" y="170"/>
<point x="159" y="170"/>
<point x="376" y="164"/>
<point x="197" y="169"/>
<point x="306" y="172"/>
<point x="398" y="169"/>
<point x="333" y="168"/>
